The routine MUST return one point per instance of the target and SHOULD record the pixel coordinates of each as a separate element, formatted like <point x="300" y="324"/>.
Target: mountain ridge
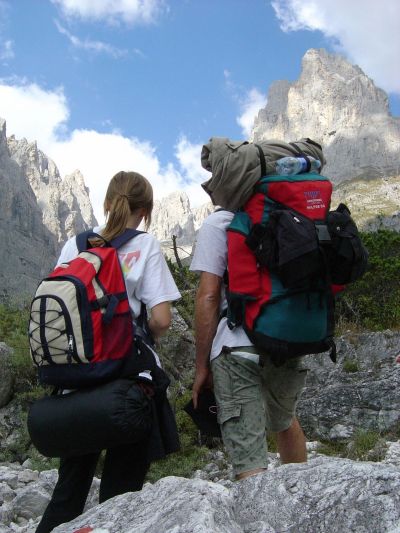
<point x="332" y="102"/>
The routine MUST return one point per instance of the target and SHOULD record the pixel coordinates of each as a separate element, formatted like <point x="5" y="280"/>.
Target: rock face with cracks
<point x="337" y="402"/>
<point x="325" y="495"/>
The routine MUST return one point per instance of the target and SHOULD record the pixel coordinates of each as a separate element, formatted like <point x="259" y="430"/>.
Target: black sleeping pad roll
<point x="90" y="420"/>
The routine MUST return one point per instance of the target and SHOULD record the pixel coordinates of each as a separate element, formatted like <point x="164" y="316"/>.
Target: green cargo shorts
<point x="252" y="399"/>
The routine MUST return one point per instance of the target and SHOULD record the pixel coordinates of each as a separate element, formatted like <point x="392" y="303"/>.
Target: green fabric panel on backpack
<point x="262" y="185"/>
<point x="307" y="176"/>
<point x="240" y="223"/>
<point x="294" y="319"/>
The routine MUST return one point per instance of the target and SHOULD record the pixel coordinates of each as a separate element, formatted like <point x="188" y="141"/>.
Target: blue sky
<point x="142" y="84"/>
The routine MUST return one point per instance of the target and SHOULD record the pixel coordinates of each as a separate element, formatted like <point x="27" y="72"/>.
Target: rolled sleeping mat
<point x="90" y="420"/>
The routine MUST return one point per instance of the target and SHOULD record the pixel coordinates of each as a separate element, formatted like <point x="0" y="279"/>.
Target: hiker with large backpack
<point x="91" y="340"/>
<point x="270" y="259"/>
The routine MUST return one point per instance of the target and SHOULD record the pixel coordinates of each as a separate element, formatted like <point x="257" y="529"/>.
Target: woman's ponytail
<point x="127" y="192"/>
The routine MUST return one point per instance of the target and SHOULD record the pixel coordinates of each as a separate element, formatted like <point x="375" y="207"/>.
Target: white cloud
<point x="7" y="50"/>
<point x="366" y="31"/>
<point x="193" y="174"/>
<point x="249" y="101"/>
<point x="41" y="115"/>
<point x="113" y="11"/>
<point x="250" y="105"/>
<point x="33" y="112"/>
<point x="91" y="46"/>
<point x="188" y="155"/>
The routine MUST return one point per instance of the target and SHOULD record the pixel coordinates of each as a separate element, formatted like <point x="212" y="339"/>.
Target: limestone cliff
<point x="38" y="212"/>
<point x="64" y="202"/>
<point x="28" y="248"/>
<point x="336" y="104"/>
<point x="174" y="216"/>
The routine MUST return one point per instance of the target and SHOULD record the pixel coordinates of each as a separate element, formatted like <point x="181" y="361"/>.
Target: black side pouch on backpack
<point x="288" y="246"/>
<point x="347" y="256"/>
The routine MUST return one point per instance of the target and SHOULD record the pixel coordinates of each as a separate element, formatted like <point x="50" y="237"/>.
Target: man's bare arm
<point x="206" y="322"/>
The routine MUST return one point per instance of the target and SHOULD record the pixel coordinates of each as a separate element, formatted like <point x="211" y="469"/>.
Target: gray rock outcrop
<point x="336" y="104"/>
<point x="65" y="203"/>
<point x="38" y="212"/>
<point x="28" y="247"/>
<point x="361" y="391"/>
<point x="173" y="216"/>
<point x="374" y="203"/>
<point x="326" y="495"/>
<point x="25" y="493"/>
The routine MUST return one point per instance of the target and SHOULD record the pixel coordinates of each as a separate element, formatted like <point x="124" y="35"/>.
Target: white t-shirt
<point x="211" y="255"/>
<point x="147" y="276"/>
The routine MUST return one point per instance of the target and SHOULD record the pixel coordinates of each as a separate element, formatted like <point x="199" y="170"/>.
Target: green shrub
<point x="350" y="365"/>
<point x="373" y="302"/>
<point x="332" y="448"/>
<point x="363" y="444"/>
<point x="13" y="331"/>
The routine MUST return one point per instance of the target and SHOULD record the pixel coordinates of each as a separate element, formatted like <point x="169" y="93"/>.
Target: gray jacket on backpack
<point x="236" y="166"/>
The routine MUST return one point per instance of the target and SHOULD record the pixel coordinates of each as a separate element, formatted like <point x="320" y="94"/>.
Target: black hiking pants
<point x="125" y="468"/>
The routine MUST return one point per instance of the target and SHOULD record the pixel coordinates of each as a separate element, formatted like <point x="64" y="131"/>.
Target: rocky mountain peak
<point x="173" y="216"/>
<point x="65" y="203"/>
<point x="3" y="136"/>
<point x="336" y="104"/>
<point x="340" y="75"/>
<point x="40" y="169"/>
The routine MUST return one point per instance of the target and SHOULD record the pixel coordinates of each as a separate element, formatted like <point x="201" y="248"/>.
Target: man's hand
<point x="202" y="380"/>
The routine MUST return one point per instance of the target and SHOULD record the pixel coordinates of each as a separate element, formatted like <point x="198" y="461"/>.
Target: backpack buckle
<point x="323" y="233"/>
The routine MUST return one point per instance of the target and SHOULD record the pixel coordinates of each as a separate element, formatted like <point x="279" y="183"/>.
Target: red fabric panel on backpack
<point x="255" y="207"/>
<point x="308" y="197"/>
<point x="244" y="276"/>
<point x="114" y="340"/>
<point x="253" y="308"/>
<point x="337" y="288"/>
<point x="79" y="267"/>
<point x="117" y="338"/>
<point x="111" y="277"/>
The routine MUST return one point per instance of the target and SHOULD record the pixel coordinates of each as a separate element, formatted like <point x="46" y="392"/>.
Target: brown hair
<point x="126" y="193"/>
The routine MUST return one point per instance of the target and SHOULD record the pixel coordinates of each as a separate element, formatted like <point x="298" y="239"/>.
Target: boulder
<point x="341" y="398"/>
<point x="326" y="495"/>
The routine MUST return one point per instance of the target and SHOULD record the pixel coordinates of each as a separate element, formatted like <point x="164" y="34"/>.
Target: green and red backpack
<point x="287" y="255"/>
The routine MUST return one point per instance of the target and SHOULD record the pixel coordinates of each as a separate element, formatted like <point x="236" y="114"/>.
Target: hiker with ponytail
<point x="149" y="285"/>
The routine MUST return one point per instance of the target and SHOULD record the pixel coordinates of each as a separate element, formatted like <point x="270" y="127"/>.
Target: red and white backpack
<point x="80" y="329"/>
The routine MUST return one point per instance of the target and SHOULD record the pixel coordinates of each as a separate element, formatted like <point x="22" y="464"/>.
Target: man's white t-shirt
<point x="147" y="276"/>
<point x="211" y="255"/>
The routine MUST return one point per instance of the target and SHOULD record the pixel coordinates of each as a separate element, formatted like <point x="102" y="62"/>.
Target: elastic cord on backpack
<point x="302" y="154"/>
<point x="262" y="161"/>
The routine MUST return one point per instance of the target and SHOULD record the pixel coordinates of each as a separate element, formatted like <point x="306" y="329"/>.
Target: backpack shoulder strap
<point x="82" y="240"/>
<point x="126" y="236"/>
